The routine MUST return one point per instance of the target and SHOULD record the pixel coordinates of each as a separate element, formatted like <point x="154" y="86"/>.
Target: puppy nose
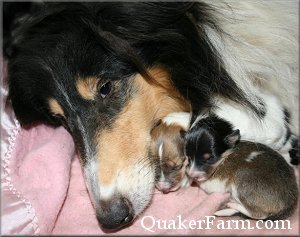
<point x="164" y="187"/>
<point x="197" y="175"/>
<point x="115" y="213"/>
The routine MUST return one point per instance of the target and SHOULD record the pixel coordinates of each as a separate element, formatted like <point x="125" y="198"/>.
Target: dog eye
<point x="105" y="89"/>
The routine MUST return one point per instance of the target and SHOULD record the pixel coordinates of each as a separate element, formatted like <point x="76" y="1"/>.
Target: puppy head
<point x="205" y="143"/>
<point x="167" y="149"/>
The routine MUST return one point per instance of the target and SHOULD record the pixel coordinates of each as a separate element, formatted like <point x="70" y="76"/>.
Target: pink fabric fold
<point x="17" y="214"/>
<point x="41" y="170"/>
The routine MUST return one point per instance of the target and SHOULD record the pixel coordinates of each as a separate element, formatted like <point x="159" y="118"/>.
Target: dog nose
<point x="115" y="213"/>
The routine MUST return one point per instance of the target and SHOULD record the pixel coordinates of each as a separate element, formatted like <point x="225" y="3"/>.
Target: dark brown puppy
<point x="261" y="183"/>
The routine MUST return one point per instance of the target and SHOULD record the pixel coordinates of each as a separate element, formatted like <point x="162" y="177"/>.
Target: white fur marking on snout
<point x="95" y="188"/>
<point x="160" y="154"/>
<point x="180" y="118"/>
<point x="252" y="156"/>
<point x="160" y="151"/>
<point x="193" y="167"/>
<point x="107" y="191"/>
<point x="136" y="184"/>
<point x="91" y="179"/>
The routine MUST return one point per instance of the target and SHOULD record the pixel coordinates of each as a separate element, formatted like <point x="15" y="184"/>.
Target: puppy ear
<point x="232" y="139"/>
<point x="156" y="124"/>
<point x="182" y="133"/>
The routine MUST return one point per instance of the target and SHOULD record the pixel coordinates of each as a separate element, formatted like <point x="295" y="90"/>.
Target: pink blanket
<point x="43" y="192"/>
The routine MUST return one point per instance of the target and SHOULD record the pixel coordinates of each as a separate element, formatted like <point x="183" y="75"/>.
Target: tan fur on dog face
<point x="124" y="143"/>
<point x="87" y="87"/>
<point x="55" y="107"/>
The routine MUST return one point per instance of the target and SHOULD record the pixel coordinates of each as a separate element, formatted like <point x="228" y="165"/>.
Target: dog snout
<point x="115" y="213"/>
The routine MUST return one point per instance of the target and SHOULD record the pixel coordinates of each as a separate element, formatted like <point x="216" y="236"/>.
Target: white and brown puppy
<point x="261" y="183"/>
<point x="167" y="147"/>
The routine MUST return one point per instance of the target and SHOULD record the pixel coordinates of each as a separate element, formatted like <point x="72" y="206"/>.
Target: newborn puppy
<point x="261" y="183"/>
<point x="204" y="144"/>
<point x="167" y="147"/>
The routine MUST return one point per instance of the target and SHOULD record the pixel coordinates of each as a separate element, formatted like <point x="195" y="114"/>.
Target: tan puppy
<point x="167" y="148"/>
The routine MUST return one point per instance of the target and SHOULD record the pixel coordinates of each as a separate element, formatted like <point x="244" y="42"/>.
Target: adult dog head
<point x="108" y="72"/>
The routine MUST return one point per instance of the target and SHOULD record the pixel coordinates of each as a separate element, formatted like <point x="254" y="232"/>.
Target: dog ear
<point x="232" y="139"/>
<point x="27" y="114"/>
<point x="27" y="108"/>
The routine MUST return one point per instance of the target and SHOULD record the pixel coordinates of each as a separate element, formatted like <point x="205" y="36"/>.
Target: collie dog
<point x="109" y="71"/>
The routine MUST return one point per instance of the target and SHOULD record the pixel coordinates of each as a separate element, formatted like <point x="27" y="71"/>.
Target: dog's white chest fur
<point x="270" y="130"/>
